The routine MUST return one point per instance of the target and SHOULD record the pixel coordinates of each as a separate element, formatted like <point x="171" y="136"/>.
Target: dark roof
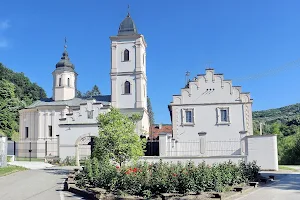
<point x="65" y="62"/>
<point x="127" y="26"/>
<point x="104" y="99"/>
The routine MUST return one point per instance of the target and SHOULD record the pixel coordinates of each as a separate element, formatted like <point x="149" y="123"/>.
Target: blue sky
<point x="238" y="38"/>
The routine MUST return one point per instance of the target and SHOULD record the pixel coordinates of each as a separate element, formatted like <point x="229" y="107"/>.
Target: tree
<point x="150" y="111"/>
<point x="94" y="92"/>
<point x="117" y="139"/>
<point x="9" y="106"/>
<point x="78" y="94"/>
<point x="275" y="128"/>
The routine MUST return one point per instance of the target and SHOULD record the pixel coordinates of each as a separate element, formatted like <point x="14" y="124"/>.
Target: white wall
<point x="65" y="91"/>
<point x="69" y="134"/>
<point x="263" y="149"/>
<point x="133" y="71"/>
<point x="196" y="159"/>
<point x="207" y="93"/>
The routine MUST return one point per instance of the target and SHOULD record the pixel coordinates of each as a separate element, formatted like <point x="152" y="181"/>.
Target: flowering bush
<point x="146" y="179"/>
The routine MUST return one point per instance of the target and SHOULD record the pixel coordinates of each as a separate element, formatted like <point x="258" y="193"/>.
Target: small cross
<point x="65" y="43"/>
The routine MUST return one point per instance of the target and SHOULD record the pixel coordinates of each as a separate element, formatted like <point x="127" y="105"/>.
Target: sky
<point x="254" y="43"/>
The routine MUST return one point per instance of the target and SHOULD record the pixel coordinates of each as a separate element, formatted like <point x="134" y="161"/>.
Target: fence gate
<point x="85" y="146"/>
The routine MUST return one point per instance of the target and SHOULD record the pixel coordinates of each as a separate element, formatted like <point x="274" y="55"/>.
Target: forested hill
<point x="16" y="92"/>
<point x="25" y="90"/>
<point x="282" y="114"/>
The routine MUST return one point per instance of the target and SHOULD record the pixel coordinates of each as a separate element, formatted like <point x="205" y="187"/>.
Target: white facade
<point x="59" y="126"/>
<point x="211" y="104"/>
<point x="64" y="85"/>
<point x="128" y="74"/>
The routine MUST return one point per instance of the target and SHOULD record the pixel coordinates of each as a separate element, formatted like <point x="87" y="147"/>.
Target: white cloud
<point x="4" y="25"/>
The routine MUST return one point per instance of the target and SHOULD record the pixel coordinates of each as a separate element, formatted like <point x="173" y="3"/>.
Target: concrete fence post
<point x="202" y="142"/>
<point x="242" y="141"/>
<point x="163" y="138"/>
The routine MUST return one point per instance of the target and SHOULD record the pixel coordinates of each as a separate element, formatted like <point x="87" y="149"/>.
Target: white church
<point x="211" y="118"/>
<point x="61" y="125"/>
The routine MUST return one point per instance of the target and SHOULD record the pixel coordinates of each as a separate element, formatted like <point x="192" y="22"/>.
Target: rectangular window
<point x="50" y="131"/>
<point x="90" y="114"/>
<point x="188" y="116"/>
<point x="223" y="115"/>
<point x="59" y="83"/>
<point x="26" y="132"/>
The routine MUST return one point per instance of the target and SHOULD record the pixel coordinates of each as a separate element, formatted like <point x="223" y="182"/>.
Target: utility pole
<point x="260" y="128"/>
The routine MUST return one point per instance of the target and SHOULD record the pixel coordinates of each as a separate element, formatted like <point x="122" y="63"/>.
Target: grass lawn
<point x="10" y="169"/>
<point x="284" y="167"/>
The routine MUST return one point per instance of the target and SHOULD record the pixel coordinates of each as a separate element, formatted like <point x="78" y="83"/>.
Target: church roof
<point x="127" y="26"/>
<point x="65" y="62"/>
<point x="104" y="99"/>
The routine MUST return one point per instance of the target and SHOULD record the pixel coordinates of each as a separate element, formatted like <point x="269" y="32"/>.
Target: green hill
<point x="285" y="123"/>
<point x="282" y="114"/>
<point x="16" y="92"/>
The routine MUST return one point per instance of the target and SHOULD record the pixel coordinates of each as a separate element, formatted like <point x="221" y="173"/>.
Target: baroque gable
<point x="210" y="88"/>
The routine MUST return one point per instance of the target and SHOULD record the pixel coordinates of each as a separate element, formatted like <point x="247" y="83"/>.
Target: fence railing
<point x="208" y="148"/>
<point x="34" y="148"/>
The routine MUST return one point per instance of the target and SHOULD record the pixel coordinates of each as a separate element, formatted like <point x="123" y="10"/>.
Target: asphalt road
<point x="286" y="186"/>
<point x="47" y="184"/>
<point x="39" y="184"/>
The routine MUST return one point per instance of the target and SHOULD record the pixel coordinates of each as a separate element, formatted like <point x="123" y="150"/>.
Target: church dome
<point x="127" y="27"/>
<point x="65" y="61"/>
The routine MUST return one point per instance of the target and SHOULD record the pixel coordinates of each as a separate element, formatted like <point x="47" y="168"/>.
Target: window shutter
<point x="228" y="115"/>
<point x="182" y="116"/>
<point x="193" y="116"/>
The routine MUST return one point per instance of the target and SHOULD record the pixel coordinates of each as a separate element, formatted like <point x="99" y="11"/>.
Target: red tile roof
<point x="155" y="130"/>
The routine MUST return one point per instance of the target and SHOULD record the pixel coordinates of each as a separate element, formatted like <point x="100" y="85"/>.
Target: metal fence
<point x="208" y="148"/>
<point x="42" y="148"/>
<point x="152" y="148"/>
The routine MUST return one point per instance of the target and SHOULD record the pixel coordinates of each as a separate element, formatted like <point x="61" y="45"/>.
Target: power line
<point x="270" y="72"/>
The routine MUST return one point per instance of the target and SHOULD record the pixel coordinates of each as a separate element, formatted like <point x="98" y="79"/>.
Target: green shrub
<point x="146" y="179"/>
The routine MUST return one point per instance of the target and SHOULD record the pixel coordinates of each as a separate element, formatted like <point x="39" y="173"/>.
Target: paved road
<point x="286" y="187"/>
<point x="41" y="184"/>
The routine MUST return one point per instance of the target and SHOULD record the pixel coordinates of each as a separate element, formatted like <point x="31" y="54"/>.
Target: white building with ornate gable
<point x="62" y="125"/>
<point x="212" y="122"/>
<point x="213" y="105"/>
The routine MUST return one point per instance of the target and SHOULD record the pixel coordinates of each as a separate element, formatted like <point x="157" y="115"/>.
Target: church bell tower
<point x="128" y="67"/>
<point x="128" y="72"/>
<point x="64" y="79"/>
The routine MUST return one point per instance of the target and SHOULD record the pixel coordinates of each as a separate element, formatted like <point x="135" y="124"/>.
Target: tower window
<point x="59" y="83"/>
<point x="126" y="55"/>
<point x="50" y="131"/>
<point x="68" y="82"/>
<point x="26" y="132"/>
<point x="127" y="87"/>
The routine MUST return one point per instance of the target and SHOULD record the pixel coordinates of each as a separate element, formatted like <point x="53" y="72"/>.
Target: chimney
<point x="160" y="126"/>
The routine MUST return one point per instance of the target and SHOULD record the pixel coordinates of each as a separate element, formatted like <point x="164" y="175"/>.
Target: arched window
<point x="59" y="83"/>
<point x="126" y="55"/>
<point x="68" y="82"/>
<point x="127" y="87"/>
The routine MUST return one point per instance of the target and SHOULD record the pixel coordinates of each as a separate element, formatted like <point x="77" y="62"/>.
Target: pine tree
<point x="150" y="112"/>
